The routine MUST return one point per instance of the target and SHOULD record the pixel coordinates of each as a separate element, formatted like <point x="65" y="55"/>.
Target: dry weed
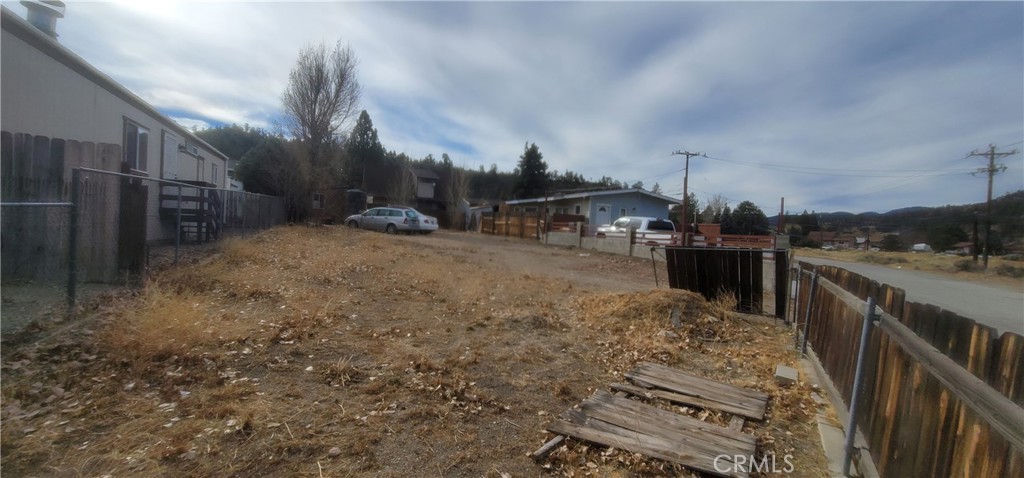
<point x="301" y="352"/>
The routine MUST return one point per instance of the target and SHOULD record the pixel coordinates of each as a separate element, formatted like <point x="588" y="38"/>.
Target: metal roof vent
<point x="43" y="14"/>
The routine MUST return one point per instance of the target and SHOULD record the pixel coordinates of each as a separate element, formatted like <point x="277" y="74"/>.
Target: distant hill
<point x="915" y="223"/>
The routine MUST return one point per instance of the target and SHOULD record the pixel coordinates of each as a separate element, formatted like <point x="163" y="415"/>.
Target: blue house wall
<point x="627" y="204"/>
<point x="620" y="203"/>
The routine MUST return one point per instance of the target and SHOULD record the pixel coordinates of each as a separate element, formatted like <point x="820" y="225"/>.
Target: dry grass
<point x="330" y="352"/>
<point x="1001" y="271"/>
<point x="715" y="343"/>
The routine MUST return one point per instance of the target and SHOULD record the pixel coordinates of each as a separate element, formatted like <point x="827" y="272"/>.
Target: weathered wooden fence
<point x="917" y="420"/>
<point x="512" y="224"/>
<point x="713" y="271"/>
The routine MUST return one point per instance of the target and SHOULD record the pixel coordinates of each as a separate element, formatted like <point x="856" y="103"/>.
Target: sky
<point x="862" y="106"/>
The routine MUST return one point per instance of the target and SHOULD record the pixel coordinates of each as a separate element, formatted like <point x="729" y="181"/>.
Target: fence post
<point x="858" y="379"/>
<point x="810" y="305"/>
<point x="795" y="294"/>
<point x="244" y="199"/>
<point x="224" y="213"/>
<point x="781" y="283"/>
<point x="76" y="191"/>
<point x="177" y="235"/>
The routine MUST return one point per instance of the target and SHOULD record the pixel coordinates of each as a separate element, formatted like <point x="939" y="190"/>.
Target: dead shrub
<point x="1007" y="270"/>
<point x="342" y="373"/>
<point x="164" y="326"/>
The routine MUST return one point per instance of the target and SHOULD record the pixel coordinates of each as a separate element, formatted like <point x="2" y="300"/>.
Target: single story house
<point x="964" y="248"/>
<point x="49" y="91"/>
<point x="60" y="113"/>
<point x="598" y="207"/>
<point x="833" y="239"/>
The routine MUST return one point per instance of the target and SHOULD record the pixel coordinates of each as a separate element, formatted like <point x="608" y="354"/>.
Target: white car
<point x="393" y="219"/>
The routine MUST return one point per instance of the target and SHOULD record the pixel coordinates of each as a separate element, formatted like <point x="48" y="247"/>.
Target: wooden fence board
<point x="716" y="394"/>
<point x="746" y="294"/>
<point x="756" y="281"/>
<point x="650" y="392"/>
<point x="1008" y="369"/>
<point x="637" y="427"/>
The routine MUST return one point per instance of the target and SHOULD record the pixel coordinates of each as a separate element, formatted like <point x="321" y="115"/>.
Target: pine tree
<point x="532" y="173"/>
<point x="364" y="151"/>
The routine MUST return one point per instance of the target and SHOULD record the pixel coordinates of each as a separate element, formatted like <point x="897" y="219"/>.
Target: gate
<point x="713" y="271"/>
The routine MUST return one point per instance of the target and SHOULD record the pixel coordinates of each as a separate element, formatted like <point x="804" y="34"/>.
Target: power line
<point x="845" y="172"/>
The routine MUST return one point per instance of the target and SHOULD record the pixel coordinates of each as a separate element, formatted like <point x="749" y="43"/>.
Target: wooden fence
<point x="734" y="240"/>
<point x="510" y="224"/>
<point x="712" y="271"/>
<point x="923" y="413"/>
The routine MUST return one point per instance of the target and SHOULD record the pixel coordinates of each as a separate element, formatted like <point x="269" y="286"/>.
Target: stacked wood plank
<point x="631" y="425"/>
<point x="680" y="387"/>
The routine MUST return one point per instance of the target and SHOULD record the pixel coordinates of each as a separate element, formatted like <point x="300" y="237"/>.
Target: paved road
<point x="996" y="306"/>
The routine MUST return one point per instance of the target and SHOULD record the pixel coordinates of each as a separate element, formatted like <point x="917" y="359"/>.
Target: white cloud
<point x="612" y="88"/>
<point x="191" y="123"/>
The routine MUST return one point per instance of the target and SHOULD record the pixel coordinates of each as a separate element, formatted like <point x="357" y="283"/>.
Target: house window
<point x="622" y="211"/>
<point x="136" y="144"/>
<point x="318" y="201"/>
<point x="213" y="174"/>
<point x="200" y="169"/>
<point x="577" y="210"/>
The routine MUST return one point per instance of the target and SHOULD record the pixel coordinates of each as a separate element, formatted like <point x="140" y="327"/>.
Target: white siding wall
<point x="42" y="96"/>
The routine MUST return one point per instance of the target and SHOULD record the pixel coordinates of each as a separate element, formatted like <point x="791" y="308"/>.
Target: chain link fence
<point x="101" y="227"/>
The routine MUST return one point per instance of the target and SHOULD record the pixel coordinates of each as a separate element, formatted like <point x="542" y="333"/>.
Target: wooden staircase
<point x="201" y="209"/>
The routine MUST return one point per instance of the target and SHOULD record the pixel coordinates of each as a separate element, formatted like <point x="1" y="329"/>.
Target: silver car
<point x="392" y="220"/>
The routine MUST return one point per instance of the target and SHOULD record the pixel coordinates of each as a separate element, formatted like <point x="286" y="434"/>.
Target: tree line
<point x="320" y="150"/>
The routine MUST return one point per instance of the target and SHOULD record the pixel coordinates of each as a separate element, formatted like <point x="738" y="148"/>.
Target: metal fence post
<point x="76" y="186"/>
<point x="858" y="379"/>
<point x="810" y="305"/>
<point x="177" y="235"/>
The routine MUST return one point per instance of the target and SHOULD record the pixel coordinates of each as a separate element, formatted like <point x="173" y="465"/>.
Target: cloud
<point x="610" y="89"/>
<point x="191" y="123"/>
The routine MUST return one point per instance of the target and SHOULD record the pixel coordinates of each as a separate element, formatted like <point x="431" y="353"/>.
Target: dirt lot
<point x="335" y="352"/>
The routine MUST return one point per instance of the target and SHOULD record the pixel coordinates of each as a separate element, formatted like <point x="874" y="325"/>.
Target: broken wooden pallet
<point x="640" y="428"/>
<point x="680" y="387"/>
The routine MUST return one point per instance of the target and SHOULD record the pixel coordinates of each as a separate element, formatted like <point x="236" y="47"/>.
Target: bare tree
<point x="457" y="190"/>
<point x="717" y="204"/>
<point x="322" y="95"/>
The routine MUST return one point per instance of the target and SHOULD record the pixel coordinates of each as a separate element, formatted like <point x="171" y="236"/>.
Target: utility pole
<point x="781" y="224"/>
<point x="991" y="170"/>
<point x="686" y="192"/>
